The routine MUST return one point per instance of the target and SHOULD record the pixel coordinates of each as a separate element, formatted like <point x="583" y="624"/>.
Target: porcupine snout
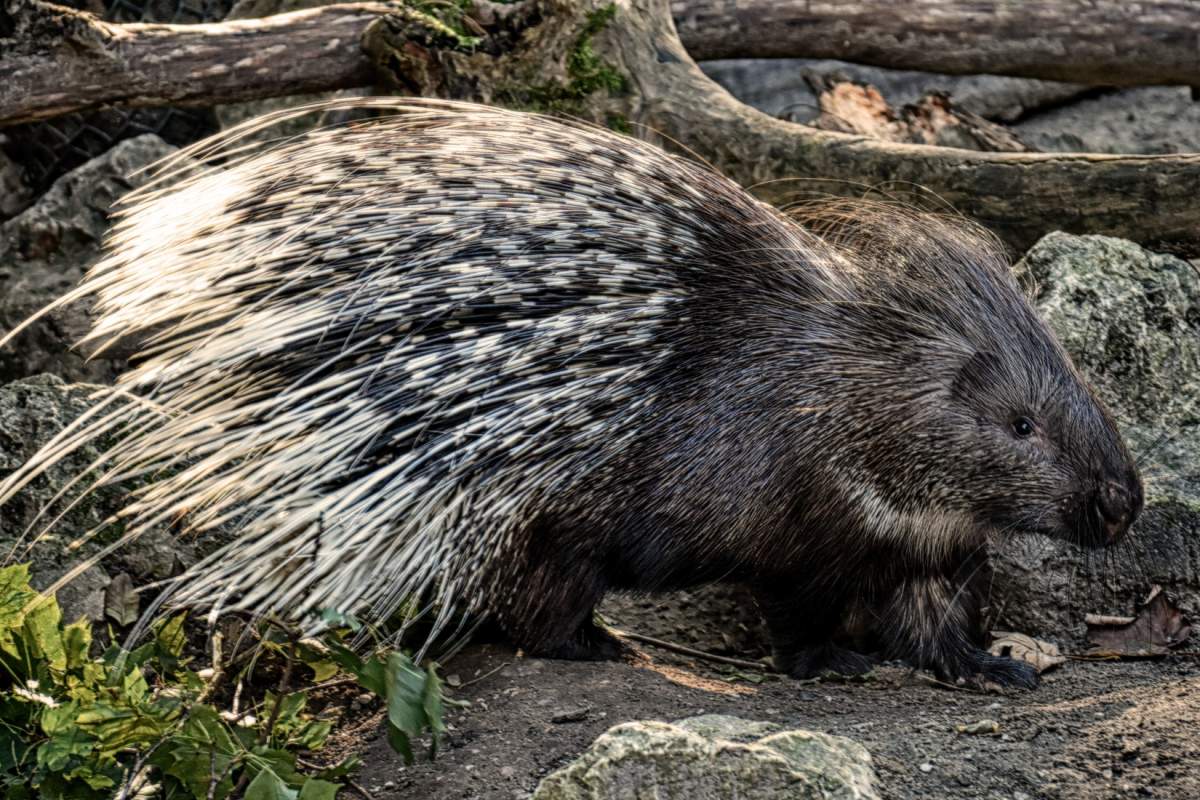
<point x="1117" y="504"/>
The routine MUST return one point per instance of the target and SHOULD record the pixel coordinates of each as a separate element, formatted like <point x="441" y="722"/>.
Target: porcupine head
<point x="511" y="363"/>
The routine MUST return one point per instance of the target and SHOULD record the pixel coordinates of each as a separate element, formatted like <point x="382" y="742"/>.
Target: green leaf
<point x="337" y="619"/>
<point x="15" y="594"/>
<point x="269" y="786"/>
<point x="281" y="762"/>
<point x="42" y="629"/>
<point x="171" y="637"/>
<point x="77" y="639"/>
<point x="400" y="742"/>
<point x="202" y="747"/>
<point x="68" y="741"/>
<point x="312" y="735"/>
<point x="340" y="769"/>
<point x="118" y="729"/>
<point x="316" y="789"/>
<point x="323" y="669"/>
<point x="371" y="673"/>
<point x="15" y="747"/>
<point x="289" y="709"/>
<point x="431" y="700"/>
<point x="59" y="720"/>
<point x="405" y="694"/>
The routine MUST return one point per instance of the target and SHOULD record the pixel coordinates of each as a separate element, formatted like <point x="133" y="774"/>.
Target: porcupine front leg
<point x="933" y="621"/>
<point x="802" y="625"/>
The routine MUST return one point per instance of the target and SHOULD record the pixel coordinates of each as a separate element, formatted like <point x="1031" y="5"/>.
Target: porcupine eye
<point x="1022" y="427"/>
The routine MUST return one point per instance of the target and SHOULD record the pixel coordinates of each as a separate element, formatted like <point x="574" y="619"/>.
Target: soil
<point x="1092" y="730"/>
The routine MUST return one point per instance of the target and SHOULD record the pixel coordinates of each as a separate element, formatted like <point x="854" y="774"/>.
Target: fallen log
<point x="62" y="60"/>
<point x="1101" y="42"/>
<point x="625" y="66"/>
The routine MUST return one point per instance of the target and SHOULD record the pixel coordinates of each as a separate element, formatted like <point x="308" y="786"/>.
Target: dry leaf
<point x="121" y="601"/>
<point x="1158" y="626"/>
<point x="1041" y="655"/>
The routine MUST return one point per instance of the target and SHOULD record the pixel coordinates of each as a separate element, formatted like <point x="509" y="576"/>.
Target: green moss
<point x="587" y="73"/>
<point x="446" y="18"/>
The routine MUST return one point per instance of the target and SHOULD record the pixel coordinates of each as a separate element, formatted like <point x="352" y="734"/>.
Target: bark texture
<point x="61" y="60"/>
<point x="1111" y="42"/>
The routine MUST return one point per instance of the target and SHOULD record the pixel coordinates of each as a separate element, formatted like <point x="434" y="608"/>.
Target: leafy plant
<point x="145" y="722"/>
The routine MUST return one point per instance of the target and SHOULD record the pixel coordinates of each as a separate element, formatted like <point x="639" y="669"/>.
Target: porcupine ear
<point x="976" y="375"/>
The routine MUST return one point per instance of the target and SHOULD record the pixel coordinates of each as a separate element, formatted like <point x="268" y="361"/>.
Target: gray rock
<point x="1131" y="320"/>
<point x="15" y="192"/>
<point x="1152" y="119"/>
<point x="1046" y="115"/>
<point x="714" y="757"/>
<point x="777" y="87"/>
<point x="45" y="250"/>
<point x="32" y="411"/>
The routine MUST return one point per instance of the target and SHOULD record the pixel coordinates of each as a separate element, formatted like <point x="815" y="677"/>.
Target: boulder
<point x="714" y="757"/>
<point x="46" y="249"/>
<point x="33" y="411"/>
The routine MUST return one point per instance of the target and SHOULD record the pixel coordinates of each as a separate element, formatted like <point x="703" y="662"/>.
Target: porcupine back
<point x="377" y="348"/>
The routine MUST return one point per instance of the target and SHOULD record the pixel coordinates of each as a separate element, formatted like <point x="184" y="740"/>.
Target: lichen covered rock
<point x="714" y="757"/>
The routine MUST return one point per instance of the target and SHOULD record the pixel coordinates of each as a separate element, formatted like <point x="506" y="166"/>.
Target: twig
<point x="350" y="782"/>
<point x="487" y="674"/>
<point x="932" y="681"/>
<point x="359" y="789"/>
<point x="691" y="651"/>
<point x="285" y="683"/>
<point x="128" y="784"/>
<point x="329" y="684"/>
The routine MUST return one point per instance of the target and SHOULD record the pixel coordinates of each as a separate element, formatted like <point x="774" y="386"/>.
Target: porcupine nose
<point x="1118" y="503"/>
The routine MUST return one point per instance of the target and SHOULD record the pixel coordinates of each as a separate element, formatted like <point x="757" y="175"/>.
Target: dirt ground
<point x="1092" y="730"/>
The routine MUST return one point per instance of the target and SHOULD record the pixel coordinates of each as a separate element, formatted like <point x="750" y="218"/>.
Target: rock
<point x="1046" y="115"/>
<point x="82" y="598"/>
<point x="1151" y="119"/>
<point x="32" y="411"/>
<point x="777" y="87"/>
<point x="1131" y="320"/>
<point x="714" y="757"/>
<point x="15" y="191"/>
<point x="45" y="250"/>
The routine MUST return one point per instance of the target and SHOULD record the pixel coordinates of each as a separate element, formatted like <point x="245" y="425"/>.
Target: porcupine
<point x="509" y="363"/>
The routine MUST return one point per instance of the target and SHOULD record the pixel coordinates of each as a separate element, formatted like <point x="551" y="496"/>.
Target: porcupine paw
<point x="589" y="643"/>
<point x="986" y="669"/>
<point x="814" y="661"/>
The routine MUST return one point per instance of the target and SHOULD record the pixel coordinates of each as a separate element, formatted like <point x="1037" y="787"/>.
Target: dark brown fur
<point x="854" y="450"/>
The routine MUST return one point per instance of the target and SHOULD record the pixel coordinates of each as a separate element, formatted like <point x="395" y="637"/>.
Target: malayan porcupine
<point x="507" y="364"/>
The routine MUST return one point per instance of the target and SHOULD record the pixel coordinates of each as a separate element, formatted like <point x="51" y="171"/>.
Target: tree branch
<point x="62" y="60"/>
<point x="1099" y="42"/>
<point x="1020" y="196"/>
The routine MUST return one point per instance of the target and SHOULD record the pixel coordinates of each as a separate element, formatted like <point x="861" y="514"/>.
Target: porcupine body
<point x="509" y="364"/>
